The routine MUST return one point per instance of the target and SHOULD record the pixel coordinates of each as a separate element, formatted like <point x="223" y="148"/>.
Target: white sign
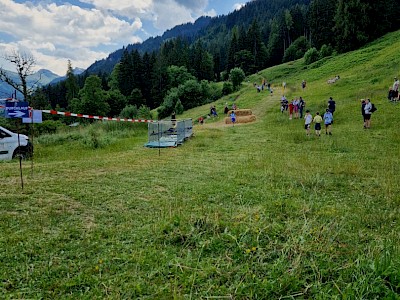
<point x="37" y="117"/>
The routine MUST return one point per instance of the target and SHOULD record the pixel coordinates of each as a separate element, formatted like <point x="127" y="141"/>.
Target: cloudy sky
<point x="88" y="30"/>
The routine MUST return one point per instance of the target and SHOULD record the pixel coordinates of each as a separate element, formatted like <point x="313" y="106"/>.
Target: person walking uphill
<point x="328" y="120"/>
<point x="307" y="122"/>
<point x="331" y="105"/>
<point x="317" y="120"/>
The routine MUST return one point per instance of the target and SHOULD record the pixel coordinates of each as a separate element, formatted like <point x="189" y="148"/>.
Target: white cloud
<point x="55" y="33"/>
<point x="164" y="14"/>
<point x="137" y="6"/>
<point x="238" y="6"/>
<point x="178" y="15"/>
<point x="45" y="29"/>
<point x="211" y="13"/>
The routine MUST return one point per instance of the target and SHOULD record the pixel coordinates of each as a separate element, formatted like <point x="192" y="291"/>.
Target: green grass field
<point x="255" y="211"/>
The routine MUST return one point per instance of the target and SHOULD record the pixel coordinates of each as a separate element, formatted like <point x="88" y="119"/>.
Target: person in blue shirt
<point x="233" y="117"/>
<point x="328" y="120"/>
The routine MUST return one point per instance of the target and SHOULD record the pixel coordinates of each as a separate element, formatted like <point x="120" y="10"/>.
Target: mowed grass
<point x="255" y="211"/>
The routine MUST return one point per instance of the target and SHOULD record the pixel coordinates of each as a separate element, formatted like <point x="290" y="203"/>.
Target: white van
<point x="9" y="146"/>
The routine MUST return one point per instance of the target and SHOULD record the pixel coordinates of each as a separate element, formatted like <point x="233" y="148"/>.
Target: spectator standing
<point x="367" y="113"/>
<point x="328" y="120"/>
<point x="173" y="118"/>
<point x="302" y="104"/>
<point x="363" y="112"/>
<point x="283" y="104"/>
<point x="395" y="89"/>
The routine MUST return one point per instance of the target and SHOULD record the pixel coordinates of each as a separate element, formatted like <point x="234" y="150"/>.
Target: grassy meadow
<point x="255" y="211"/>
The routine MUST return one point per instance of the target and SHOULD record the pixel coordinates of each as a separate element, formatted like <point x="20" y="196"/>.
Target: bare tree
<point x="24" y="64"/>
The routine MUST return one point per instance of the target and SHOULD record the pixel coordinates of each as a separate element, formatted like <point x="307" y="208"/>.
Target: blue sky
<point x="84" y="31"/>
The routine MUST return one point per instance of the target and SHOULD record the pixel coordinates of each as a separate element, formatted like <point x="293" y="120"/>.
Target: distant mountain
<point x="39" y="78"/>
<point x="76" y="71"/>
<point x="188" y="31"/>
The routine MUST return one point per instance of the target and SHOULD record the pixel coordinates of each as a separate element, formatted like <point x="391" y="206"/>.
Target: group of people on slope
<point x="213" y="113"/>
<point x="295" y="107"/>
<point x="317" y="120"/>
<point x="327" y="118"/>
<point x="263" y="85"/>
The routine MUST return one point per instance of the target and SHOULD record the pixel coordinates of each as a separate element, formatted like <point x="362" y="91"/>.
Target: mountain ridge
<point x="40" y="78"/>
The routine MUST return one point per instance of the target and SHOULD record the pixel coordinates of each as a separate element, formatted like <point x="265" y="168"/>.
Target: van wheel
<point x="20" y="152"/>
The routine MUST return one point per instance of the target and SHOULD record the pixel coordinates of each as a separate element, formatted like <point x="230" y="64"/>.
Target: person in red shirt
<point x="291" y="107"/>
<point x="201" y="120"/>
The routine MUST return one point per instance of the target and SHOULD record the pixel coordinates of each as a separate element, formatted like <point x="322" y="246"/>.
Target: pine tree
<point x="125" y="74"/>
<point x="233" y="48"/>
<point x="92" y="98"/>
<point x="71" y="83"/>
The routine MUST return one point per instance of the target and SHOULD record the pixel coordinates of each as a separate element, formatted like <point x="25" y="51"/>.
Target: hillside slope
<point x="365" y="73"/>
<point x="256" y="211"/>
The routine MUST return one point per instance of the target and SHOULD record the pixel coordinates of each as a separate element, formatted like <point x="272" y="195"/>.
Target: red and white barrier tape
<point x="69" y="114"/>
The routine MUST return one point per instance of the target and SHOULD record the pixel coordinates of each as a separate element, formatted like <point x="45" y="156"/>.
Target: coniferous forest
<point x="180" y="70"/>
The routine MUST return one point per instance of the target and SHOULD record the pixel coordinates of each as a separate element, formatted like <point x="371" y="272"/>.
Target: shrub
<point x="296" y="50"/>
<point x="48" y="127"/>
<point x="129" y="112"/>
<point x="210" y="91"/>
<point x="224" y="75"/>
<point x="96" y="139"/>
<point x="312" y="55"/>
<point x="236" y="76"/>
<point x="227" y="88"/>
<point x="144" y="112"/>
<point x="326" y="50"/>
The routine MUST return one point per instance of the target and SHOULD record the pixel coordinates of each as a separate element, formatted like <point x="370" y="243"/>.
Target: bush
<point x="296" y="50"/>
<point x="312" y="55"/>
<point x="236" y="76"/>
<point x="48" y="127"/>
<point x="169" y="103"/>
<point x="190" y="94"/>
<point x="227" y="88"/>
<point x="96" y="139"/>
<point x="144" y="112"/>
<point x="129" y="112"/>
<point x="224" y="76"/>
<point x="179" y="107"/>
<point x="326" y="50"/>
<point x="210" y="91"/>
